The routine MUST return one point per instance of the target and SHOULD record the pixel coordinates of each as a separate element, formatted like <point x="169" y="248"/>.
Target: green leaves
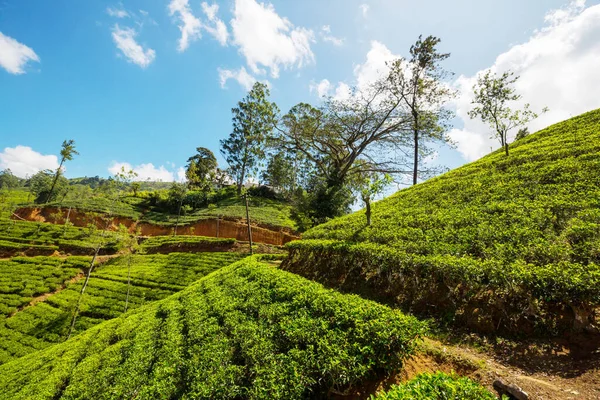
<point x="246" y="331"/>
<point x="437" y="386"/>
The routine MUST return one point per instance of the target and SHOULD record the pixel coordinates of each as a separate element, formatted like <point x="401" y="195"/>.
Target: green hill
<point x="247" y="330"/>
<point x="151" y="277"/>
<point x="503" y="243"/>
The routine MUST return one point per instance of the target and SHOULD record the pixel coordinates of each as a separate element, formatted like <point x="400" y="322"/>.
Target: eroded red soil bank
<point x="207" y="227"/>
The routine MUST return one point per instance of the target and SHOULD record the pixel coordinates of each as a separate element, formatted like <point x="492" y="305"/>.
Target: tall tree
<point x="420" y="83"/>
<point x="492" y="97"/>
<point x="67" y="152"/>
<point x="8" y="180"/>
<point x="253" y="121"/>
<point x="200" y="168"/>
<point x="280" y="173"/>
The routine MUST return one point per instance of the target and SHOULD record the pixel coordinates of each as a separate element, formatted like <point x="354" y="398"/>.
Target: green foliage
<point x="48" y="187"/>
<point x="493" y="96"/>
<point x="246" y="331"/>
<point x="253" y="121"/>
<point x="200" y="168"/>
<point x="22" y="278"/>
<point x="8" y="180"/>
<point x="151" y="278"/>
<point x="524" y="226"/>
<point x="180" y="243"/>
<point x="437" y="386"/>
<point x="25" y="235"/>
<point x="420" y="83"/>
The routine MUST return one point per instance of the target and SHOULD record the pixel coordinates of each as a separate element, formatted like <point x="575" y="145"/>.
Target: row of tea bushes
<point x="248" y="330"/>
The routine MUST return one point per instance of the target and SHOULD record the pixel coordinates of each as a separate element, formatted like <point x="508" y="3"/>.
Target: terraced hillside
<point x="502" y="244"/>
<point x="37" y="238"/>
<point x="247" y="330"/>
<point x="151" y="278"/>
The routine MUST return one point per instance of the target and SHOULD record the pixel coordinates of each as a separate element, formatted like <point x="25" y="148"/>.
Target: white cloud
<point x="322" y="88"/>
<point x="365" y="74"/>
<point x="181" y="175"/>
<point x="135" y="53"/>
<point x="268" y="40"/>
<point x="145" y="172"/>
<point x="241" y="76"/>
<point x="558" y="66"/>
<point x="24" y="161"/>
<point x="190" y="26"/>
<point x="328" y="37"/>
<point x="117" y="12"/>
<point x="14" y="55"/>
<point x="364" y="9"/>
<point x="218" y="30"/>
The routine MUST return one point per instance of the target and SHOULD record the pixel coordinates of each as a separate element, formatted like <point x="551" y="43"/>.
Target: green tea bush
<point x="23" y="278"/>
<point x="509" y="243"/>
<point x="437" y="386"/>
<point x="245" y="331"/>
<point x="153" y="277"/>
<point x="38" y="236"/>
<point x="185" y="243"/>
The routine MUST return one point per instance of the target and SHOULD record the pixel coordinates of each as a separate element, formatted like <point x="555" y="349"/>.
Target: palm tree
<point x="67" y="153"/>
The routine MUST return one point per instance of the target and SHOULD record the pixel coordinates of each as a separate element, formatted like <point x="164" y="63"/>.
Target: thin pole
<point x="248" y="221"/>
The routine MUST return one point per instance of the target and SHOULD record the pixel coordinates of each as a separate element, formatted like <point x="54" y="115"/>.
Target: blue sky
<point x="119" y="78"/>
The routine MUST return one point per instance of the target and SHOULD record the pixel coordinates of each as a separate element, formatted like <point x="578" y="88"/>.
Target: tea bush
<point x="153" y="277"/>
<point x="437" y="386"/>
<point x="245" y="331"/>
<point x="519" y="235"/>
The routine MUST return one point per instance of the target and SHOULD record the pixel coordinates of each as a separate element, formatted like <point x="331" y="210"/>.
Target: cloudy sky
<point x="142" y="83"/>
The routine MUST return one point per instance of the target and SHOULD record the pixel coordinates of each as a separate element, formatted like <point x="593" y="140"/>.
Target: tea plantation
<point x="502" y="244"/>
<point x="151" y="277"/>
<point x="44" y="238"/>
<point x="247" y="330"/>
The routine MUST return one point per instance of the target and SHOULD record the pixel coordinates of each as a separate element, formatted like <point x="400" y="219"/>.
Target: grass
<point x="153" y="277"/>
<point x="504" y="243"/>
<point x="245" y="331"/>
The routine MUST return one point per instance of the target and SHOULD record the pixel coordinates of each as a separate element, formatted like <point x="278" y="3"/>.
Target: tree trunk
<point x="55" y="180"/>
<point x="128" y="279"/>
<point x="416" y="158"/>
<point x="506" y="148"/>
<point x="87" y="279"/>
<point x="249" y="227"/>
<point x="368" y="212"/>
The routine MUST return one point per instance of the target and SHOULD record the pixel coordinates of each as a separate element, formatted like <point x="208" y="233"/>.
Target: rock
<point x="512" y="390"/>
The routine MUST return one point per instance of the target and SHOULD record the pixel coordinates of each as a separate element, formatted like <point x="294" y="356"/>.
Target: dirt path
<point x="558" y="377"/>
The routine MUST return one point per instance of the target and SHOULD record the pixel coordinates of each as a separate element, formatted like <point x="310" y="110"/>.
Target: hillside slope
<point x="509" y="243"/>
<point x="247" y="330"/>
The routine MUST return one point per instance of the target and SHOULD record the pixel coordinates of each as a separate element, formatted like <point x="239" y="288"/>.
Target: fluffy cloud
<point x="326" y="36"/>
<point x="558" y="66"/>
<point x="322" y="88"/>
<point x="147" y="172"/>
<point x="14" y="55"/>
<point x="267" y="40"/>
<point x="365" y="74"/>
<point x="132" y="50"/>
<point x="218" y="29"/>
<point x="24" y="161"/>
<point x="241" y="76"/>
<point x="190" y="26"/>
<point x="117" y="12"/>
